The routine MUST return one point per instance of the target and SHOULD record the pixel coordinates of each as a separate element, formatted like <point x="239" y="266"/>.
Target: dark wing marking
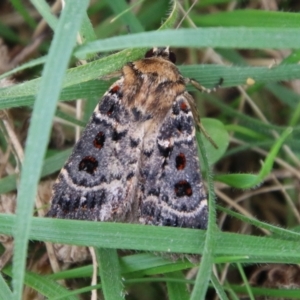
<point x="99" y="181"/>
<point x="171" y="190"/>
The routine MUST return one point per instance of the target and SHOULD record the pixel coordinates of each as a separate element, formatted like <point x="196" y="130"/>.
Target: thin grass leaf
<point x="5" y="292"/>
<point x="249" y="18"/>
<point x="281" y="232"/>
<point x="240" y="38"/>
<point x="248" y="121"/>
<point x="141" y="264"/>
<point x="159" y="239"/>
<point x="282" y="293"/>
<point x="246" y="132"/>
<point x="19" y="6"/>
<point x="86" y="31"/>
<point x="245" y="280"/>
<point x="66" y="117"/>
<point x="176" y="290"/>
<point x="149" y="16"/>
<point x="148" y="261"/>
<point x="9" y="34"/>
<point x="80" y="82"/>
<point x="121" y="9"/>
<point x="110" y="273"/>
<point x="284" y="94"/>
<point x="219" y="289"/>
<point x="77" y="292"/>
<point x="203" y="275"/>
<point x="45" y="286"/>
<point x="246" y="181"/>
<point x="44" y="108"/>
<point x="30" y="64"/>
<point x="44" y="9"/>
<point x="210" y="2"/>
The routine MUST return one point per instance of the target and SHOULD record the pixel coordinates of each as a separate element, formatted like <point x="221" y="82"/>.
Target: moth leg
<point x="202" y="129"/>
<point x="202" y="88"/>
<point x="197" y="119"/>
<point x="191" y="101"/>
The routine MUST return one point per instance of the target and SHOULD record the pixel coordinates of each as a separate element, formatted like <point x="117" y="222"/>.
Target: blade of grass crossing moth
<point x="203" y="275"/>
<point x="43" y="112"/>
<point x="76" y="81"/>
<point x="159" y="239"/>
<point x="205" y="269"/>
<point x="110" y="273"/>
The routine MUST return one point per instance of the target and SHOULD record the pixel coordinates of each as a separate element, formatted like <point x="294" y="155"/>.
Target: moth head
<point x="162" y="52"/>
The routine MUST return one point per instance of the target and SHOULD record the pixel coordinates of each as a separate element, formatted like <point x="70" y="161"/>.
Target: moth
<point x="137" y="159"/>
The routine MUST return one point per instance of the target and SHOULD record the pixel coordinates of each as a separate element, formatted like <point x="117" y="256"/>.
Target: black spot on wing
<point x="116" y="136"/>
<point x="88" y="164"/>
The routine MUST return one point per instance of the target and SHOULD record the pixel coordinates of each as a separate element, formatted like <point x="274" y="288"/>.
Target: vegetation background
<point x="251" y="248"/>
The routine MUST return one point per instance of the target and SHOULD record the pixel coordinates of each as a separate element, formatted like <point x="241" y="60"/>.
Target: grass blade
<point x="44" y="108"/>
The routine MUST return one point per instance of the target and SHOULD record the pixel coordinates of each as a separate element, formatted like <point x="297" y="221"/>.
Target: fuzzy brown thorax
<point x="152" y="84"/>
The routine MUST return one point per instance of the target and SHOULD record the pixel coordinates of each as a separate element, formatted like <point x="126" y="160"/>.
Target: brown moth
<point x="137" y="159"/>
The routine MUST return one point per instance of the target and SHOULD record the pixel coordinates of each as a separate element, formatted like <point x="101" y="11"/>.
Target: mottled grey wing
<point x="171" y="189"/>
<point x="99" y="180"/>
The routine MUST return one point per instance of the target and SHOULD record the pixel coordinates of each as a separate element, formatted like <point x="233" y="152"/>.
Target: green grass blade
<point x="159" y="239"/>
<point x="128" y="18"/>
<point x="251" y="38"/>
<point x="281" y="232"/>
<point x="246" y="181"/>
<point x="76" y="79"/>
<point x="245" y="280"/>
<point x="249" y="18"/>
<point x="19" y="6"/>
<point x="176" y="290"/>
<point x="218" y="287"/>
<point x="44" y="108"/>
<point x="203" y="276"/>
<point x="42" y="284"/>
<point x="110" y="273"/>
<point x="44" y="9"/>
<point x="30" y="64"/>
<point x="5" y="292"/>
<point x="277" y="293"/>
